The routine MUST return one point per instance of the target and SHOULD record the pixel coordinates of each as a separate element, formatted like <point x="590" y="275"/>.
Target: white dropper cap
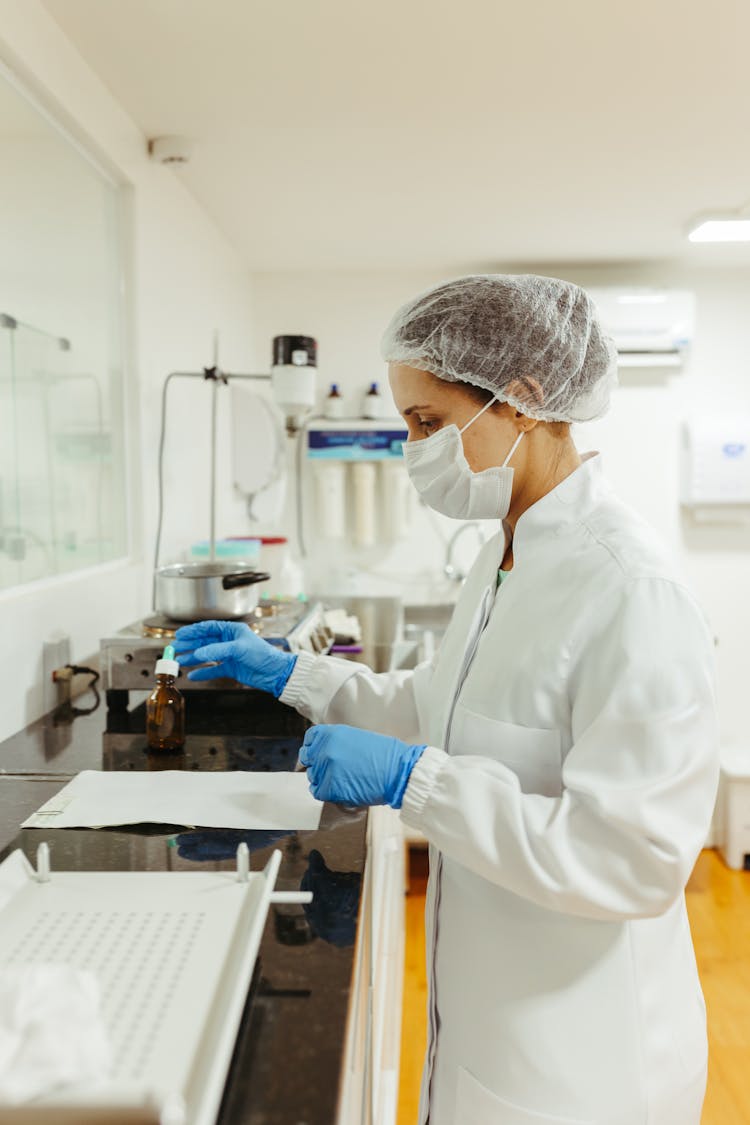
<point x="167" y="666"/>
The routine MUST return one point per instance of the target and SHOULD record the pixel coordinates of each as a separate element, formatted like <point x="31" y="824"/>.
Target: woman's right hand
<point x="231" y="649"/>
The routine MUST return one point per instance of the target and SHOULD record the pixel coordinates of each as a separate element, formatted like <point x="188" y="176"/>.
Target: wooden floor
<point x="414" y="1020"/>
<point x="719" y="907"/>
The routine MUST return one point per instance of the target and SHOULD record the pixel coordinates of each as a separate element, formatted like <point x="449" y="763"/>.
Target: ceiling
<point x="348" y="134"/>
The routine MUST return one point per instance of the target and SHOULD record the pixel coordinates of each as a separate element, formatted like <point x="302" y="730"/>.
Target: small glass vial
<point x="165" y="708"/>
<point x="333" y="407"/>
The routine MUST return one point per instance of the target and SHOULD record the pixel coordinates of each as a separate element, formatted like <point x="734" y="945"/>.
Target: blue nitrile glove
<point x="235" y="651"/>
<point x="356" y="767"/>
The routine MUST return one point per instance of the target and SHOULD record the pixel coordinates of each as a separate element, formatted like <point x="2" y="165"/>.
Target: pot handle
<point x="243" y="578"/>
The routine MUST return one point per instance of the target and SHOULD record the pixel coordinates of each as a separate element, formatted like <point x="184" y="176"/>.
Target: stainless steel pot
<point x="206" y="591"/>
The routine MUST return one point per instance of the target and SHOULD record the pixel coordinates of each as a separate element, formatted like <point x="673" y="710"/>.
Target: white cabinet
<point x="369" y="1093"/>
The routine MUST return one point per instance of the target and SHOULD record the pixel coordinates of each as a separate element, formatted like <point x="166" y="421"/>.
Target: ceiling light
<point x="641" y="298"/>
<point x="729" y="226"/>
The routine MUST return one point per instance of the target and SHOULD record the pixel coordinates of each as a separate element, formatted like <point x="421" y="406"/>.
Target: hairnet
<point x="534" y="342"/>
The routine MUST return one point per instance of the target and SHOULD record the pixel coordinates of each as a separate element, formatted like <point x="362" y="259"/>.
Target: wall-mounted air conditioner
<point x="651" y="327"/>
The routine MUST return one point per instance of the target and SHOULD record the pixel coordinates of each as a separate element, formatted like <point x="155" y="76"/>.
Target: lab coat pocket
<point x="532" y="753"/>
<point x="476" y="1105"/>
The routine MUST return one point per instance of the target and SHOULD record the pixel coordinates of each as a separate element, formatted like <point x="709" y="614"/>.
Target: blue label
<point x="733" y="449"/>
<point x="356" y="445"/>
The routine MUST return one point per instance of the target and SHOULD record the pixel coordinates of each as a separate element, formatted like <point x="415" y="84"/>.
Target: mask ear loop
<point x="486" y="406"/>
<point x="513" y="448"/>
<point x="471" y="421"/>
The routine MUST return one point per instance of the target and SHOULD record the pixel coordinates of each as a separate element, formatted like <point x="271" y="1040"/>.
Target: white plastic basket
<point x="173" y="953"/>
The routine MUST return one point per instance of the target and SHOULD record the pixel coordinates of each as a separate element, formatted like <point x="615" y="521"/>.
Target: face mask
<point x="439" y="471"/>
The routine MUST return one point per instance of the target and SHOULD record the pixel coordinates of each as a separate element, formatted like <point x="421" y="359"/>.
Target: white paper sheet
<point x="235" y="799"/>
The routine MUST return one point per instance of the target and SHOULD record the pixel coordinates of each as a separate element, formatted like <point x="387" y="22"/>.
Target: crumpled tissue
<point x="52" y="1033"/>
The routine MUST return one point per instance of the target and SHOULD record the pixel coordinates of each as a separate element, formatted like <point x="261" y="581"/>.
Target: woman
<point x="559" y="753"/>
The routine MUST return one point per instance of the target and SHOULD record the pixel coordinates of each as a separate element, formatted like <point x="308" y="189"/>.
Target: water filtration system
<point x="361" y="489"/>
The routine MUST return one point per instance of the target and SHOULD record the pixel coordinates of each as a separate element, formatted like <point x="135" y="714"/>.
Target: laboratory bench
<point x="317" y="1045"/>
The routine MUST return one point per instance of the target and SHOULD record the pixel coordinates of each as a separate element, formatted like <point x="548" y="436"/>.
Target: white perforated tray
<point x="174" y="954"/>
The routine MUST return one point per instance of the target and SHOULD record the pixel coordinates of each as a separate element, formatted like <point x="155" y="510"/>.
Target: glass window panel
<point x="62" y="463"/>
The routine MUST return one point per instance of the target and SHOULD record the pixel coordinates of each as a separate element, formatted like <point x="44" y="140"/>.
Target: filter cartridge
<point x="365" y="515"/>
<point x="331" y="497"/>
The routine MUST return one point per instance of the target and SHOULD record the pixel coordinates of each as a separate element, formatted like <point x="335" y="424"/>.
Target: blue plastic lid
<point x="373" y="389"/>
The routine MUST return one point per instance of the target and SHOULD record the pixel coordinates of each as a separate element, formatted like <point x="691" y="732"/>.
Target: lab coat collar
<point x="567" y="504"/>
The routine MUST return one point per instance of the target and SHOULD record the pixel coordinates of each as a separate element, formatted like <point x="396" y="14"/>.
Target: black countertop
<point x="288" y="1057"/>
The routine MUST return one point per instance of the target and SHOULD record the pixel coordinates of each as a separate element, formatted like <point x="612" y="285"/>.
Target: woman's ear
<point x="527" y="390"/>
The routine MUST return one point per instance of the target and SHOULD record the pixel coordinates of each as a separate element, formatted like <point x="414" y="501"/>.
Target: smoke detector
<point x="170" y="150"/>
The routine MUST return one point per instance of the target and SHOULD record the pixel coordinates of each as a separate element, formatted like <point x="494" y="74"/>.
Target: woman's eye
<point x="427" y="425"/>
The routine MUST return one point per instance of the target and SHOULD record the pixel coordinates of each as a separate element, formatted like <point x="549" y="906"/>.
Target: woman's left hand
<point x="356" y="767"/>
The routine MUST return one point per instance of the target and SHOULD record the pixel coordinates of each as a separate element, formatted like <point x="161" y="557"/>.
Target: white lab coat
<point x="566" y="790"/>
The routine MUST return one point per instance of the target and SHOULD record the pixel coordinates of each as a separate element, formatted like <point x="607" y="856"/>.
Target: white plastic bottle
<point x="373" y="404"/>
<point x="333" y="407"/>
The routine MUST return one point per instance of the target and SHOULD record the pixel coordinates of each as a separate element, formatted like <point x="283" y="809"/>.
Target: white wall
<point x="186" y="281"/>
<point x="639" y="438"/>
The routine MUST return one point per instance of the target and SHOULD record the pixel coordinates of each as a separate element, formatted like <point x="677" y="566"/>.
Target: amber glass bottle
<point x="165" y="708"/>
